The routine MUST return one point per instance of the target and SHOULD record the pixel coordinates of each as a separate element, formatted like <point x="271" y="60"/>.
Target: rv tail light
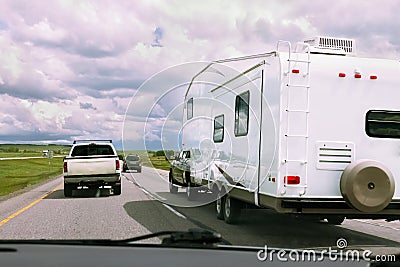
<point x="342" y="74"/>
<point x="292" y="179"/>
<point x="117" y="164"/>
<point x="373" y="77"/>
<point x="295" y="71"/>
<point x="357" y="75"/>
<point x="65" y="166"/>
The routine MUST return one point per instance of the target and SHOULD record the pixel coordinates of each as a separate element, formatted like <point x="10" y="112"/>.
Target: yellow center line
<point x="29" y="206"/>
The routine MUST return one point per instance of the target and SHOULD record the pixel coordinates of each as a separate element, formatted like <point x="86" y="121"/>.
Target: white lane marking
<point x="152" y="196"/>
<point x="175" y="211"/>
<point x="376" y="224"/>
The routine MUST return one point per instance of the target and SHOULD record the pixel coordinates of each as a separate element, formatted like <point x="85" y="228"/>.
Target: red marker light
<point x="292" y="179"/>
<point x="342" y="74"/>
<point x="273" y="179"/>
<point x="65" y="166"/>
<point x="295" y="71"/>
<point x="117" y="164"/>
<point x="373" y="77"/>
<point x="357" y="75"/>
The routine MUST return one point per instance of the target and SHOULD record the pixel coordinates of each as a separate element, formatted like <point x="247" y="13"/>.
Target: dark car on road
<point x="132" y="162"/>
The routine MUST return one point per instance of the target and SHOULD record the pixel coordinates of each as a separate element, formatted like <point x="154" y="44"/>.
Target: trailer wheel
<point x="367" y="185"/>
<point x="232" y="209"/>
<point x="335" y="220"/>
<point x="219" y="204"/>
<point x="172" y="188"/>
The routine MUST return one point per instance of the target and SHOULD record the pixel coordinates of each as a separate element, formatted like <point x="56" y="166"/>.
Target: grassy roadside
<point x="18" y="174"/>
<point x="158" y="163"/>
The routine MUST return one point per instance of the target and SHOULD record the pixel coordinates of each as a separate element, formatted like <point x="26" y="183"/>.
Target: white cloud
<point x="77" y="63"/>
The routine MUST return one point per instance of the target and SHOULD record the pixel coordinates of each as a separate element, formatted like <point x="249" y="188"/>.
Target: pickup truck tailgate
<point x="91" y="166"/>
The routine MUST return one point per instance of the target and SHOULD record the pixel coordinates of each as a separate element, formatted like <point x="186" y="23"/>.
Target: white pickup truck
<point x="92" y="163"/>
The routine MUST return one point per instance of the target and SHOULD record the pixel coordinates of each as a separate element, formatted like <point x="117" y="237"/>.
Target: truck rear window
<point x="92" y="150"/>
<point x="383" y="124"/>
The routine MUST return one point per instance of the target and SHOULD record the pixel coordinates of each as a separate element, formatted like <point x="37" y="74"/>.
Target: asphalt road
<point x="44" y="213"/>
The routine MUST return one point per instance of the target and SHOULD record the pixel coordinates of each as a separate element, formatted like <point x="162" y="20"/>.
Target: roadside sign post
<point x="50" y="157"/>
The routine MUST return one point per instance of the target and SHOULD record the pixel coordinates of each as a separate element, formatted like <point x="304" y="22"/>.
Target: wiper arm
<point x="194" y="237"/>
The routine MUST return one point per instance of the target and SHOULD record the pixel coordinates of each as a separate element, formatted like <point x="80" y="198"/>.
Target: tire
<point x="139" y="170"/>
<point x="335" y="220"/>
<point x="232" y="209"/>
<point x="219" y="205"/>
<point x="68" y="189"/>
<point x="172" y="188"/>
<point x="117" y="189"/>
<point x="191" y="193"/>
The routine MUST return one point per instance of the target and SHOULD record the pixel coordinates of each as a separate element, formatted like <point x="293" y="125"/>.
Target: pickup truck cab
<point x="92" y="164"/>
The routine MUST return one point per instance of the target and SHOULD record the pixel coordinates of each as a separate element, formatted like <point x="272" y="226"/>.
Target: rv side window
<point x="242" y="114"/>
<point x="190" y="109"/>
<point x="218" y="129"/>
<point x="383" y="123"/>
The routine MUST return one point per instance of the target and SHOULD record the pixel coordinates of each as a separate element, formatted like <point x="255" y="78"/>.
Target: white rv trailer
<point x="311" y="129"/>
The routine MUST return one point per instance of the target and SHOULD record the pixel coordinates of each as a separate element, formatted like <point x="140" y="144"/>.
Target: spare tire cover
<point x="367" y="185"/>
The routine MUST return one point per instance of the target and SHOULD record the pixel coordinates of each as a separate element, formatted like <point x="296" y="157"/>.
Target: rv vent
<point x="330" y="45"/>
<point x="334" y="155"/>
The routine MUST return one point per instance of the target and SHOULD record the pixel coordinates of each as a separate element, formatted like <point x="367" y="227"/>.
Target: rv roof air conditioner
<point x="332" y="46"/>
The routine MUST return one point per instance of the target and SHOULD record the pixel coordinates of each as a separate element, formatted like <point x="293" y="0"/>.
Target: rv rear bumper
<point x="334" y="206"/>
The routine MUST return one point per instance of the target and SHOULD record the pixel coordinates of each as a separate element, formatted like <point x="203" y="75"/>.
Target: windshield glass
<point x="217" y="123"/>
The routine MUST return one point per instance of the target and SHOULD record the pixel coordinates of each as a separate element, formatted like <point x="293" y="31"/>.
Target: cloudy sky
<point x="69" y="69"/>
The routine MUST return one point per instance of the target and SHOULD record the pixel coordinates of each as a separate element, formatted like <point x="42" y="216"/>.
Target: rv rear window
<point x="218" y="129"/>
<point x="383" y="124"/>
<point x="190" y="109"/>
<point x="242" y="114"/>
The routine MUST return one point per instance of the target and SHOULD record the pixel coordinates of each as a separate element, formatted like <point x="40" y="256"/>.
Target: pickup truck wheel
<point x="172" y="188"/>
<point x="232" y="209"/>
<point x="68" y="190"/>
<point x="219" y="204"/>
<point x="117" y="189"/>
<point x="139" y="170"/>
<point x="191" y="192"/>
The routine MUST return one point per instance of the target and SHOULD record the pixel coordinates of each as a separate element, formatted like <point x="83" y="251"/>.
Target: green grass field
<point x="18" y="174"/>
<point x="26" y="150"/>
<point x="158" y="163"/>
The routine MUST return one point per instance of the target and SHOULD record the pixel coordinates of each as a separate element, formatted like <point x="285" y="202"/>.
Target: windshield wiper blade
<point x="194" y="237"/>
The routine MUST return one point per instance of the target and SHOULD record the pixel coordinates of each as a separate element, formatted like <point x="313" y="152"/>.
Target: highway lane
<point x="99" y="214"/>
<point x="261" y="226"/>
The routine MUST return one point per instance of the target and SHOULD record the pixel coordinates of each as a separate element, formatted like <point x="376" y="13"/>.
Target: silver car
<point x="132" y="162"/>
